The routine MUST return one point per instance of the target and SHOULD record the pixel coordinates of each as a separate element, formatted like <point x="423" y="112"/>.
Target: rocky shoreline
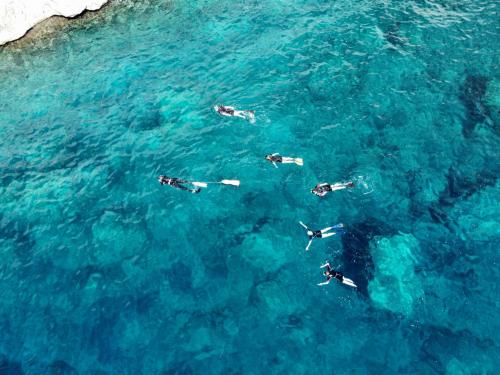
<point x="17" y="17"/>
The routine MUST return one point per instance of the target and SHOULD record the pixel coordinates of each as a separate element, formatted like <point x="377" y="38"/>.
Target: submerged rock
<point x="356" y="257"/>
<point x="116" y="239"/>
<point x="275" y="300"/>
<point x="395" y="286"/>
<point x="263" y="253"/>
<point x="472" y="96"/>
<point x="463" y="183"/>
<point x="59" y="367"/>
<point x="477" y="218"/>
<point x="492" y="100"/>
<point x="492" y="94"/>
<point x="8" y="367"/>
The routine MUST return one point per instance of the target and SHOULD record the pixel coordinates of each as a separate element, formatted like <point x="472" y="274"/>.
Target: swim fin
<point x="230" y="182"/>
<point x="349" y="282"/>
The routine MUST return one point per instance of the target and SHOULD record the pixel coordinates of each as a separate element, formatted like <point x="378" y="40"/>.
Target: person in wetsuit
<point x="225" y="111"/>
<point x="277" y="158"/>
<point x="330" y="274"/>
<point x="324" y="188"/>
<point x="323" y="233"/>
<point x="232" y="112"/>
<point x="176" y="183"/>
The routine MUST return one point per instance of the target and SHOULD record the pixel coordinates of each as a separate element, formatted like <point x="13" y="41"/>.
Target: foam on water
<point x="105" y="271"/>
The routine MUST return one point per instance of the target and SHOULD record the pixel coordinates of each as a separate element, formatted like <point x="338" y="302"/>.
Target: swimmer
<point x="276" y="158"/>
<point x="176" y="183"/>
<point x="324" y="188"/>
<point x="231" y="112"/>
<point x="323" y="233"/>
<point x="332" y="274"/>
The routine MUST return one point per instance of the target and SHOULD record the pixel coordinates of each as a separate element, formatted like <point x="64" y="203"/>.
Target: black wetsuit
<point x="224" y="110"/>
<point x="316" y="234"/>
<point x="339" y="276"/>
<point x="176" y="183"/>
<point x="322" y="189"/>
<point x="275" y="158"/>
<point x="334" y="274"/>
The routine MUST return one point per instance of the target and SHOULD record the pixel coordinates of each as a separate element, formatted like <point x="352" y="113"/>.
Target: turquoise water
<point x="104" y="271"/>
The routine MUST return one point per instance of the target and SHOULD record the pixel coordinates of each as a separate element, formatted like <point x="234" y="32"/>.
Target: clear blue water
<point x="104" y="271"/>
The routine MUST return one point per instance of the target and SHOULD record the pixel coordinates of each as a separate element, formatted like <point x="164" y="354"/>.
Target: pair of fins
<point x="298" y="161"/>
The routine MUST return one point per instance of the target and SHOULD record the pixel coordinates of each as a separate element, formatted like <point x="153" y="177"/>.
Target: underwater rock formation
<point x="59" y="367"/>
<point x="356" y="257"/>
<point x="10" y="367"/>
<point x="395" y="286"/>
<point x="472" y="96"/>
<point x="460" y="186"/>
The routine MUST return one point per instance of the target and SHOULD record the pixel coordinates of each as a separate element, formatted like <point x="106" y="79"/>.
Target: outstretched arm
<point x="305" y="226"/>
<point x="275" y="164"/>
<point x="309" y="244"/>
<point x="325" y="265"/>
<point x="325" y="282"/>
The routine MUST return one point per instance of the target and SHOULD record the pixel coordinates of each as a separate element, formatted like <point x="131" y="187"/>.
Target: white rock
<point x="18" y="16"/>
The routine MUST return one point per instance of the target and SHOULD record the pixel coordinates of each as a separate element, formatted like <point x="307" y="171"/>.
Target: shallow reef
<point x="104" y="271"/>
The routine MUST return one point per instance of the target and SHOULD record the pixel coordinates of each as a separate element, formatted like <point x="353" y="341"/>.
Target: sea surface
<point x="105" y="271"/>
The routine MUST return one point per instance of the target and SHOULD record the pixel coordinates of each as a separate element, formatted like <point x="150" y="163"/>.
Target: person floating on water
<point x="330" y="273"/>
<point x="277" y="158"/>
<point x="232" y="112"/>
<point x="176" y="183"/>
<point x="323" y="233"/>
<point x="324" y="188"/>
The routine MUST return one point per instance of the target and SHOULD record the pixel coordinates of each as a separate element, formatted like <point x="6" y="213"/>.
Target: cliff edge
<point x="17" y="17"/>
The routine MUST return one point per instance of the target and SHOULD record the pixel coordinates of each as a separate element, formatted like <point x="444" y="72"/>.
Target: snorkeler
<point x="332" y="274"/>
<point x="323" y="233"/>
<point x="276" y="158"/>
<point x="231" y="112"/>
<point x="324" y="188"/>
<point x="176" y="183"/>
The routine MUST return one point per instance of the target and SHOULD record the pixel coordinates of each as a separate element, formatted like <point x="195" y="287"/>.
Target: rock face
<point x="19" y="16"/>
<point x="395" y="286"/>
